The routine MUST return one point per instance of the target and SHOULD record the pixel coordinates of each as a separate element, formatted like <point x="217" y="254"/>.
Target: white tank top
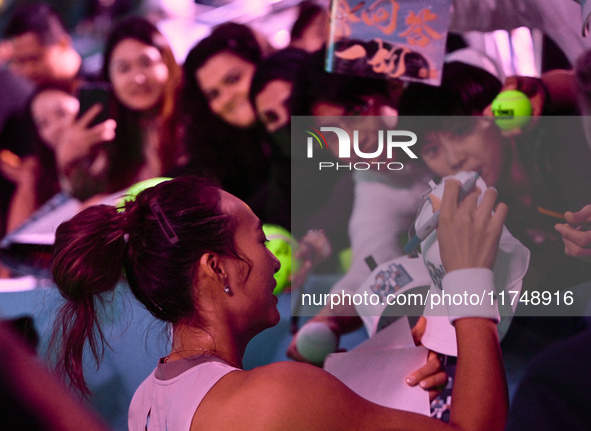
<point x="169" y="405"/>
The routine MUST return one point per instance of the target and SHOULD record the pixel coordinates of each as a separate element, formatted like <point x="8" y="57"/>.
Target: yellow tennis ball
<point x="281" y="245"/>
<point x="512" y="110"/>
<point x="136" y="188"/>
<point x="345" y="259"/>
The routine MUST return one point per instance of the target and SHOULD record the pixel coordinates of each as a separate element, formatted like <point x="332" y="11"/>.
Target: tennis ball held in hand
<point x="512" y="110"/>
<point x="315" y="340"/>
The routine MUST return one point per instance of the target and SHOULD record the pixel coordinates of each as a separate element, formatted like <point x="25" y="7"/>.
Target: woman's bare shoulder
<point x="286" y="396"/>
<point x="280" y="380"/>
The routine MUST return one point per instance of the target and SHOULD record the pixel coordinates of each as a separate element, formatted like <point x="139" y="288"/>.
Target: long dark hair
<point x="128" y="145"/>
<point x="96" y="247"/>
<point x="46" y="177"/>
<point x="230" y="37"/>
<point x="235" y="156"/>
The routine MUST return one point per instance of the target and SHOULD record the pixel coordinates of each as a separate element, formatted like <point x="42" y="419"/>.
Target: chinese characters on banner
<point x="389" y="38"/>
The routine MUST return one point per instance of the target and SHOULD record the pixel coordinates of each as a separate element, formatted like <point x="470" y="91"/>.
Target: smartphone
<point x="93" y="93"/>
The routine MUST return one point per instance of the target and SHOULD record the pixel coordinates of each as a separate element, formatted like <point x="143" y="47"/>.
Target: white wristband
<point x="471" y="293"/>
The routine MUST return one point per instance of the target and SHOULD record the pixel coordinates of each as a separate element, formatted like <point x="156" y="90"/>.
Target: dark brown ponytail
<point x="88" y="260"/>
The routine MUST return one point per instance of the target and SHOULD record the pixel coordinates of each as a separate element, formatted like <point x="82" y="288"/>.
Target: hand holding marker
<point x="432" y="224"/>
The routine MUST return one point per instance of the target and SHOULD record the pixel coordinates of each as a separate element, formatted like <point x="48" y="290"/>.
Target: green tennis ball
<point x="512" y="110"/>
<point x="281" y="245"/>
<point x="345" y="259"/>
<point x="136" y="188"/>
<point x="315" y="341"/>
